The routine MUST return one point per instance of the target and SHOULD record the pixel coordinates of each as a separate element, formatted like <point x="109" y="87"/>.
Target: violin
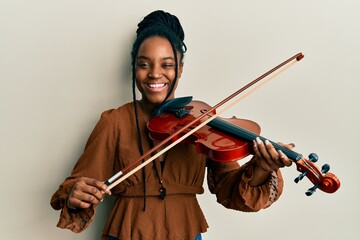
<point x="225" y="140"/>
<point x="183" y="120"/>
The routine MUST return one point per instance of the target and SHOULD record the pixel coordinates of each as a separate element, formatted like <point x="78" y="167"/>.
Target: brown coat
<point x="113" y="145"/>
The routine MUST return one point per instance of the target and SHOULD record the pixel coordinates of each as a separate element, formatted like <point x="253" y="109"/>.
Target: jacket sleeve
<point x="97" y="162"/>
<point x="230" y="183"/>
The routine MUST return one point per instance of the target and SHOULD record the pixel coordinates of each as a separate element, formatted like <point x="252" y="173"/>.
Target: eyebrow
<point x="144" y="57"/>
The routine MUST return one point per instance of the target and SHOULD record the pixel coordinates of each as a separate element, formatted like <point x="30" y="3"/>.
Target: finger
<point x="284" y="159"/>
<point x="86" y="190"/>
<point x="255" y="148"/>
<point x="85" y="197"/>
<point x="94" y="191"/>
<point x="259" y="149"/>
<point x="288" y="146"/>
<point x="271" y="150"/>
<point x="74" y="203"/>
<point x="275" y="161"/>
<point x="79" y="199"/>
<point x="99" y="185"/>
<point x="263" y="152"/>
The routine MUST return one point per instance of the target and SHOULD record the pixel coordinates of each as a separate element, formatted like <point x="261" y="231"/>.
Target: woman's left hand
<point x="267" y="160"/>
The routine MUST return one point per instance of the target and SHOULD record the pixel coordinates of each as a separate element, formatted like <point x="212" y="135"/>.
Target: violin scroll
<point x="322" y="179"/>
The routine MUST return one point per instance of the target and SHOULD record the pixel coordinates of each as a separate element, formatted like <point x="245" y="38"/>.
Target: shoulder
<point x="118" y="115"/>
<point x="111" y="122"/>
<point x="117" y="112"/>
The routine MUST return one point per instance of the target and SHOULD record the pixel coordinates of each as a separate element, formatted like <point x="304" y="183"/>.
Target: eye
<point x="143" y="65"/>
<point x="168" y="65"/>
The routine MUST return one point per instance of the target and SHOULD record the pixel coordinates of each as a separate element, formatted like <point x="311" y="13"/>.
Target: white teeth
<point x="157" y="85"/>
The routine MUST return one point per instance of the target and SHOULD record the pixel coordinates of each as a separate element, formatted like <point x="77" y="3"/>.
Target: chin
<point x="157" y="99"/>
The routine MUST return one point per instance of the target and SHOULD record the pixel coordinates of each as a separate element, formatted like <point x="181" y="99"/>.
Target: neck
<point x="146" y="109"/>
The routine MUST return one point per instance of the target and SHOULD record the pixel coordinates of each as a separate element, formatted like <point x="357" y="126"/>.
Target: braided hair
<point x="165" y="25"/>
<point x="162" y="24"/>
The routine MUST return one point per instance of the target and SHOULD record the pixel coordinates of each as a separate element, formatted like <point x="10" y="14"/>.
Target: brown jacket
<point x="113" y="144"/>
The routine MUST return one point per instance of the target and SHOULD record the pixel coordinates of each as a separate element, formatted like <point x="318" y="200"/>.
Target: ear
<point x="180" y="69"/>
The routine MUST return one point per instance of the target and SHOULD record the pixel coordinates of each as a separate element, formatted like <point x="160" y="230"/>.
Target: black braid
<point x="141" y="149"/>
<point x="162" y="24"/>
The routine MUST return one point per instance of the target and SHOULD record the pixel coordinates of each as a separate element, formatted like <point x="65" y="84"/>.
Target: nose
<point x="155" y="72"/>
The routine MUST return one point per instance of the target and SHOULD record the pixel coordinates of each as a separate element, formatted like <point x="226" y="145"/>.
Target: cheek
<point x="139" y="86"/>
<point x="169" y="74"/>
<point x="140" y="77"/>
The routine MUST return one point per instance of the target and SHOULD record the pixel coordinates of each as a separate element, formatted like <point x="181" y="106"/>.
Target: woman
<point x="159" y="202"/>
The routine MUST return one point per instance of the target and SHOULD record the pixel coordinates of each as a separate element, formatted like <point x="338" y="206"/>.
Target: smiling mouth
<point x="156" y="85"/>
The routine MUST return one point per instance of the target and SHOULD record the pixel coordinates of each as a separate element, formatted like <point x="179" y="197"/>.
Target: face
<point x="155" y="70"/>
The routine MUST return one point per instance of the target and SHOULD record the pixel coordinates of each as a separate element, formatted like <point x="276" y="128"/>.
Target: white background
<point x="62" y="63"/>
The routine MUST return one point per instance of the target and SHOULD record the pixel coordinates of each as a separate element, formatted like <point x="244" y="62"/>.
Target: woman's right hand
<point x="86" y="192"/>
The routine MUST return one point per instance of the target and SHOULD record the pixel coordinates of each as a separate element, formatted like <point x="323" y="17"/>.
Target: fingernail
<point x="254" y="143"/>
<point x="267" y="142"/>
<point x="282" y="155"/>
<point x="258" y="140"/>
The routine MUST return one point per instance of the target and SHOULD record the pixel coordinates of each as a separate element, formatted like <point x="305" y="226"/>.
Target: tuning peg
<point x="325" y="168"/>
<point x="300" y="177"/>
<point x="313" y="157"/>
<point x="310" y="191"/>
